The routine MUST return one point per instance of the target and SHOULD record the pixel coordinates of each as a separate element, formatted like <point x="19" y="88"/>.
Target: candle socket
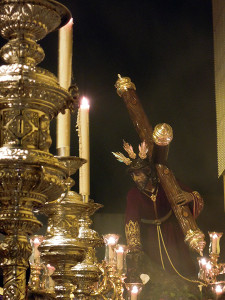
<point x="110" y="241"/>
<point x="134" y="290"/>
<point x="85" y="198"/>
<point x="63" y="151"/>
<point x="214" y="246"/>
<point x="121" y="252"/>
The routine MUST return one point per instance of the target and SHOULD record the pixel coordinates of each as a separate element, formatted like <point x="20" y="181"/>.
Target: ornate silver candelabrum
<point x="113" y="268"/>
<point x="210" y="268"/>
<point x="29" y="98"/>
<point x="40" y="282"/>
<point x="61" y="247"/>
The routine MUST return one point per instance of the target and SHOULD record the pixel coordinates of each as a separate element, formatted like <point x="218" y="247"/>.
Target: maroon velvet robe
<point x="139" y="206"/>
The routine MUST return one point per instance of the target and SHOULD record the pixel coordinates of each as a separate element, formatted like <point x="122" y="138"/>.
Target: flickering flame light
<point x="70" y="23"/>
<point x="218" y="289"/>
<point x="134" y="292"/>
<point x="134" y="289"/>
<point x="111" y="240"/>
<point x="37" y="242"/>
<point x="51" y="269"/>
<point x="84" y="103"/>
<point x="215" y="236"/>
<point x="203" y="261"/>
<point x="208" y="266"/>
<point x="120" y="249"/>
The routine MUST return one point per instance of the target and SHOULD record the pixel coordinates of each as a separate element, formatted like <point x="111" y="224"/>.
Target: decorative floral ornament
<point x="129" y="149"/>
<point x="143" y="150"/>
<point x="122" y="158"/>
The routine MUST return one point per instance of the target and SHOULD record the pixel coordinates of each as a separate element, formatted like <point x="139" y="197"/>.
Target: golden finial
<point x="162" y="134"/>
<point x="123" y="84"/>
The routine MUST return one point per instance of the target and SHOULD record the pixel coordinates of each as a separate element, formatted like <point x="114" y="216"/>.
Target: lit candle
<point x="215" y="242"/>
<point x="51" y="283"/>
<point x="64" y="77"/>
<point x="37" y="254"/>
<point x="84" y="148"/>
<point x="110" y="242"/>
<point x="119" y="257"/>
<point x="218" y="289"/>
<point x="202" y="268"/>
<point x="134" y="293"/>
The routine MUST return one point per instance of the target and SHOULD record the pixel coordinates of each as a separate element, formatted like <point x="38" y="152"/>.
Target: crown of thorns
<point x="143" y="150"/>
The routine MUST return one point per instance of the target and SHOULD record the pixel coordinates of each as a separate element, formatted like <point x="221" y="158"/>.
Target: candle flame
<point x="111" y="240"/>
<point x="120" y="249"/>
<point x="203" y="261"/>
<point x="219" y="289"/>
<point x="50" y="267"/>
<point x="134" y="289"/>
<point x="69" y="24"/>
<point x="215" y="236"/>
<point x="208" y="266"/>
<point x="36" y="241"/>
<point x="84" y="103"/>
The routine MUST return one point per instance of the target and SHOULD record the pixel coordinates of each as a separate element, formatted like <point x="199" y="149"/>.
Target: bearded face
<point x="141" y="179"/>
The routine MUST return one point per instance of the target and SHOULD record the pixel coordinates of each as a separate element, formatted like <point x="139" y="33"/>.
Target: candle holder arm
<point x="106" y="285"/>
<point x="74" y="92"/>
<point x="221" y="268"/>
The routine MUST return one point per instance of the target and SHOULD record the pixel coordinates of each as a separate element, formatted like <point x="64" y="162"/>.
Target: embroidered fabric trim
<point x="133" y="236"/>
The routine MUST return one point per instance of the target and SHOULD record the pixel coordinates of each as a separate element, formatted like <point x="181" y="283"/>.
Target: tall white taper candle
<point x="64" y="77"/>
<point x="84" y="149"/>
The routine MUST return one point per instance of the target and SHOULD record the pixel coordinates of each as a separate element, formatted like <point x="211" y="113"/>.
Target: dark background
<point x="166" y="48"/>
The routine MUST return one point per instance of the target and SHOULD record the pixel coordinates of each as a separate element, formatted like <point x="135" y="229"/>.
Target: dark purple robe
<point x="139" y="207"/>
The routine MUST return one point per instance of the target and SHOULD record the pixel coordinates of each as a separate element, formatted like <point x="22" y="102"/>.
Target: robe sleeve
<point x="132" y="221"/>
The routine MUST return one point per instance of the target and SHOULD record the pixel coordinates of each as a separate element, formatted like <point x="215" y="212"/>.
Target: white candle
<point x="111" y="254"/>
<point x="214" y="243"/>
<point x="37" y="254"/>
<point x="218" y="289"/>
<point x="119" y="258"/>
<point x="84" y="148"/>
<point x="64" y="77"/>
<point x="134" y="293"/>
<point x="51" y="282"/>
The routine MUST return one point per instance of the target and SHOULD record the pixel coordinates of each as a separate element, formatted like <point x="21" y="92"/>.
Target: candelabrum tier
<point x="29" y="98"/>
<point x="62" y="247"/>
<point x="26" y="21"/>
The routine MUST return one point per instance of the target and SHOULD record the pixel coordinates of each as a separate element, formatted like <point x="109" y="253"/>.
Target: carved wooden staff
<point x="162" y="137"/>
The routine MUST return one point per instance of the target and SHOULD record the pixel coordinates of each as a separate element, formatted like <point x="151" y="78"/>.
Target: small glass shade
<point x="35" y="242"/>
<point x="134" y="290"/>
<point x="110" y="241"/>
<point x="121" y="252"/>
<point x="214" y="246"/>
<point x="218" y="288"/>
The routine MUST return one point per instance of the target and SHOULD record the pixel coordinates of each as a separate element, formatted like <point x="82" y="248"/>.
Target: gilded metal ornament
<point x="133" y="235"/>
<point x="162" y="134"/>
<point x="87" y="273"/>
<point x="29" y="98"/>
<point x="123" y="84"/>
